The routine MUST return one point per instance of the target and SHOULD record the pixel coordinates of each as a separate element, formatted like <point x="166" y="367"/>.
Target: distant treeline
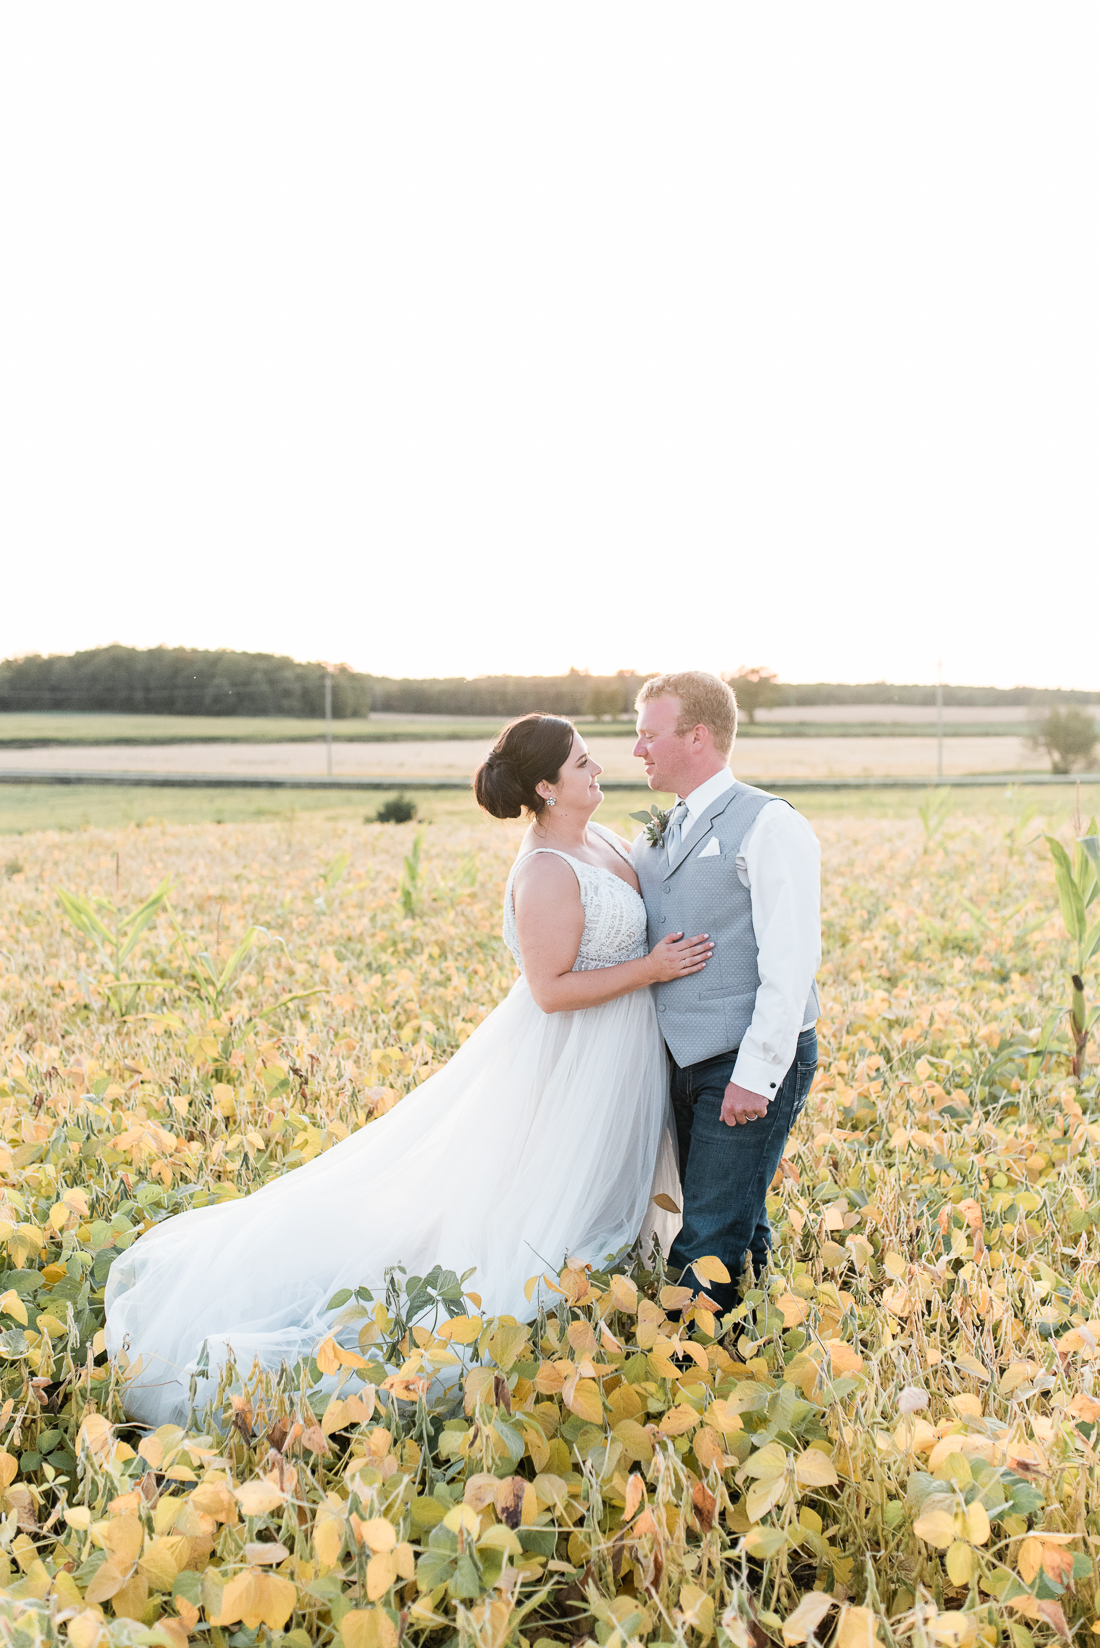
<point x="179" y="681"/>
<point x="577" y="693"/>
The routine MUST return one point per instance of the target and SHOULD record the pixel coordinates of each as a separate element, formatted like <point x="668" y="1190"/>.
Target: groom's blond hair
<point x="703" y="698"/>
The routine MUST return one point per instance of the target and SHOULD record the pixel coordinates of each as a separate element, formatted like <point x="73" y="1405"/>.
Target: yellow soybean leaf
<point x="936" y="1523"/>
<point x="500" y="1538"/>
<point x="582" y="1397"/>
<point x="258" y="1498"/>
<point x="794" y="1311"/>
<point x="123" y="1537"/>
<point x="764" y="1495"/>
<point x="807" y="1616"/>
<point x="163" y="1560"/>
<point x="844" y="1359"/>
<point x="710" y="1269"/>
<point x="766" y="1462"/>
<point x="12" y="1305"/>
<point x="378" y="1534"/>
<point x="86" y="1630"/>
<point x="814" y="1469"/>
<point x="459" y="1330"/>
<point x="368" y="1628"/>
<point x="679" y="1420"/>
<point x="9" y="1470"/>
<point x="1029" y="1558"/>
<point x="636" y="1440"/>
<point x="971" y="1365"/>
<point x="962" y="1563"/>
<point x="464" y="1517"/>
<point x="328" y="1537"/>
<point x="326" y="1355"/>
<point x="105" y="1583"/>
<point x="723" y="1418"/>
<point x="256" y="1599"/>
<point x="151" y="1449"/>
<point x="635" y="1493"/>
<point x="381" y="1573"/>
<point x="977" y="1523"/>
<point x="622" y="1295"/>
<point x="857" y="1628"/>
<point x="708" y="1447"/>
<point x="215" y="1499"/>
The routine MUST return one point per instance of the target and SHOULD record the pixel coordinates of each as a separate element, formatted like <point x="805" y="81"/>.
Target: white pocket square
<point x="712" y="849"/>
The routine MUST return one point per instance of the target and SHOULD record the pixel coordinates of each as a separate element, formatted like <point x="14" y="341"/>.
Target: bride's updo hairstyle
<point x="530" y="751"/>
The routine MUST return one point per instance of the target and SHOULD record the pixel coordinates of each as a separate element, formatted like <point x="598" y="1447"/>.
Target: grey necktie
<point x="672" y="830"/>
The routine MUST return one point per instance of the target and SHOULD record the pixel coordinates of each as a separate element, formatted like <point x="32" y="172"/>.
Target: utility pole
<point x="939" y="720"/>
<point x="328" y="722"/>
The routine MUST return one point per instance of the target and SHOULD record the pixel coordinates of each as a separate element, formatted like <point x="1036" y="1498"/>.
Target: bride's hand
<point x="676" y="956"/>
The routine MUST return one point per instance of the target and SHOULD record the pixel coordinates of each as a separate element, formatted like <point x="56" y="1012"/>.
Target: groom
<point x="743" y="866"/>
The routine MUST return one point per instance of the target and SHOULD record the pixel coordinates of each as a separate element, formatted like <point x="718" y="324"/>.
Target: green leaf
<point x="137" y="921"/>
<point x="81" y="913"/>
<point x="245" y="948"/>
<point x="1069" y="894"/>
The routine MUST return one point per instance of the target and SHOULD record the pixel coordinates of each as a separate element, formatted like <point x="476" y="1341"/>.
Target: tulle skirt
<point x="546" y="1136"/>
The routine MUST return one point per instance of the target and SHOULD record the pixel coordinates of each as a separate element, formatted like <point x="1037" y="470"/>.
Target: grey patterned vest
<point x="707" y="1013"/>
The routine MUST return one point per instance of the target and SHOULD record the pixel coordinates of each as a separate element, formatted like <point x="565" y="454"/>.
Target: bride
<point x="546" y="1135"/>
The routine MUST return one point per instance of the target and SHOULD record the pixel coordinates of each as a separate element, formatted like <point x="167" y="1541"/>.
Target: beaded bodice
<point x="614" y="915"/>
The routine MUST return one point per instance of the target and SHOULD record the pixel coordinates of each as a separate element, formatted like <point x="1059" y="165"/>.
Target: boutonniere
<point x="656" y="823"/>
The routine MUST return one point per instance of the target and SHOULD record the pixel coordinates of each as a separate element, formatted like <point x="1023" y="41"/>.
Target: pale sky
<point x="457" y="339"/>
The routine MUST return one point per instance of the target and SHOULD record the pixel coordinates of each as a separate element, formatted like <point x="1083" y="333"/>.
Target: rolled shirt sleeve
<point x="780" y="863"/>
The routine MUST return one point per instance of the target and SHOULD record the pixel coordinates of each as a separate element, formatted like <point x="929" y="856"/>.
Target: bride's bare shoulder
<point x="540" y="874"/>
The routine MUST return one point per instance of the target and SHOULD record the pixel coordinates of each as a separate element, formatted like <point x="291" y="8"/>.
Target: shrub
<point x="398" y="810"/>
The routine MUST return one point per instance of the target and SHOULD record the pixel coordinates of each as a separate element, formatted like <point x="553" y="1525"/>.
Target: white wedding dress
<point x="546" y="1136"/>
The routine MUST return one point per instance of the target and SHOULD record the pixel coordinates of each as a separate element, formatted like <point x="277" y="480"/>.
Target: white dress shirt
<point x="780" y="863"/>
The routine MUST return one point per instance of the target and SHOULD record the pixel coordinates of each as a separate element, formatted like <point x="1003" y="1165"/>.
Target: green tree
<point x="605" y="698"/>
<point x="1068" y="737"/>
<point x="754" y="688"/>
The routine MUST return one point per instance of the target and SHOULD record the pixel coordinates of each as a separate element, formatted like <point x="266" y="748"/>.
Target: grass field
<point x="32" y="807"/>
<point x="892" y="1440"/>
<point x="18" y="731"/>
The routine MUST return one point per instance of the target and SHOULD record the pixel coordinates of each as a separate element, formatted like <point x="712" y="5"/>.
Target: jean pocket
<point x="804" y="1080"/>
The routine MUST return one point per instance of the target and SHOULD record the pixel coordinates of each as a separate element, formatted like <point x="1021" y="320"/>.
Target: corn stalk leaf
<point x="1069" y="894"/>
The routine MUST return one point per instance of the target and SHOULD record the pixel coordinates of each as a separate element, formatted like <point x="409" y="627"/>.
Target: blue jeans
<point x="725" y="1172"/>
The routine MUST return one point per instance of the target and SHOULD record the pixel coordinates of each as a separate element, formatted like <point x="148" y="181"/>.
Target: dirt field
<point x="762" y="759"/>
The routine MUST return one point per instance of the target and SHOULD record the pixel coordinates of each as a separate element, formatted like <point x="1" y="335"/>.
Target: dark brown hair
<point x="530" y="751"/>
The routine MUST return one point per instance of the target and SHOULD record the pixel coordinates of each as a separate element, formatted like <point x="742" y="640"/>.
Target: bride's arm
<point x="550" y="921"/>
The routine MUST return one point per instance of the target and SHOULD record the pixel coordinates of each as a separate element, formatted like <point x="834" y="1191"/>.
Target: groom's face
<point x="662" y="749"/>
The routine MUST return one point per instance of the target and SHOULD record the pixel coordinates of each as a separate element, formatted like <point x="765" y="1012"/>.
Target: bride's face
<point x="576" y="788"/>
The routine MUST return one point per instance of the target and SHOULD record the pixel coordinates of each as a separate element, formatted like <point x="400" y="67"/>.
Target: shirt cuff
<point x="757" y="1076"/>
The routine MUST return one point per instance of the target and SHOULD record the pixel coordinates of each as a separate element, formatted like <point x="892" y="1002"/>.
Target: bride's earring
<point x="550" y="802"/>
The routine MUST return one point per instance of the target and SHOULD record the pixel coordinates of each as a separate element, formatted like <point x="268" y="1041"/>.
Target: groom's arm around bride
<point x="744" y="867"/>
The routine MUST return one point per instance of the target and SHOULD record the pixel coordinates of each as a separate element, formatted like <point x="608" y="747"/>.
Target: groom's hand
<point x="739" y="1105"/>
